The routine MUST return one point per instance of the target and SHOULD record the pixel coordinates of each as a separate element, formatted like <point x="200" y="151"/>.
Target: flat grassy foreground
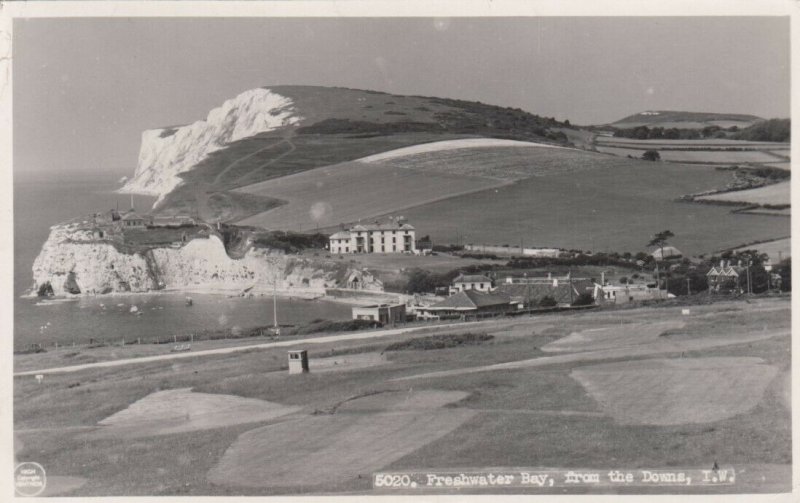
<point x="559" y="414"/>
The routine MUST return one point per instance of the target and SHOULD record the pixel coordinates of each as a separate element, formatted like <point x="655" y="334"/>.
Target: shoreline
<point x="368" y="298"/>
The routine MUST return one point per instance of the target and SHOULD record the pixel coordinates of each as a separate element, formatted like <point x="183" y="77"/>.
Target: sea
<point x="42" y="200"/>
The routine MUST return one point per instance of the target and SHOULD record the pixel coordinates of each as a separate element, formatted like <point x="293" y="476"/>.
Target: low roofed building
<point x="477" y="282"/>
<point x="471" y="303"/>
<point x="564" y="291"/>
<point x="667" y="253"/>
<point x="383" y="313"/>
<point x="132" y="220"/>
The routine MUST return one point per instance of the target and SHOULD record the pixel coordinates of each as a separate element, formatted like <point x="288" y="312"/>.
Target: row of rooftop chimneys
<point x="394" y="220"/>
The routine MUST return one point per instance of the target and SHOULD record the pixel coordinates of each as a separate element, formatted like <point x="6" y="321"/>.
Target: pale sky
<point x="85" y="89"/>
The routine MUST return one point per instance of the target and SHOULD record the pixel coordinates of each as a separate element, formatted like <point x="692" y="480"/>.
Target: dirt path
<point x="657" y="347"/>
<point x="230" y="166"/>
<point x="275" y="159"/>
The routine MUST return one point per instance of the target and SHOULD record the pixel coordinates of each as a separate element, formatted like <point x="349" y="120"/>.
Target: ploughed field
<point x="647" y="388"/>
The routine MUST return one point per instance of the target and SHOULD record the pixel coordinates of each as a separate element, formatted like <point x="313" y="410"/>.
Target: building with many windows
<point x="395" y="236"/>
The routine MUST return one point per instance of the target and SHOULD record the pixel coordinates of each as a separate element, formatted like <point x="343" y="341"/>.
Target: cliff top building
<point x="395" y="236"/>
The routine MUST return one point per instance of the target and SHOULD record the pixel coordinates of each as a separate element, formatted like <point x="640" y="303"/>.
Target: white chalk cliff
<point x="75" y="262"/>
<point x="165" y="153"/>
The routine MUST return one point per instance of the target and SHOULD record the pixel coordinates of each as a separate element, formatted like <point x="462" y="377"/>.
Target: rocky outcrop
<point x="165" y="153"/>
<point x="72" y="263"/>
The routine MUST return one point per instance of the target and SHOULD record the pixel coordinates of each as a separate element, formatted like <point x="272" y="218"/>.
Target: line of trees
<point x="776" y="130"/>
<point x="660" y="133"/>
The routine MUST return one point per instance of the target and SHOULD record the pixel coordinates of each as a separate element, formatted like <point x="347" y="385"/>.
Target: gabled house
<point x="725" y="277"/>
<point x="339" y="242"/>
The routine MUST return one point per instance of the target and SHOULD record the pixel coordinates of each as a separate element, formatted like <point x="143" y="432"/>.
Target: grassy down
<point x="573" y="212"/>
<point x="528" y="417"/>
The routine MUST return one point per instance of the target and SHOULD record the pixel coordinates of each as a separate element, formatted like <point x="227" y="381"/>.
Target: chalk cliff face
<point x="74" y="262"/>
<point x="71" y="255"/>
<point x="165" y="153"/>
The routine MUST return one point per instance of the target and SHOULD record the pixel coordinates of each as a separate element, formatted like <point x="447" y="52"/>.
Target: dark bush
<point x="440" y="342"/>
<point x="584" y="299"/>
<point x="290" y="242"/>
<point x="548" y="301"/>
<point x="336" y="326"/>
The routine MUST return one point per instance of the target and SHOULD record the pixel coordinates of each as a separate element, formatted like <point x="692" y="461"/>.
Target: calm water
<point x="40" y="202"/>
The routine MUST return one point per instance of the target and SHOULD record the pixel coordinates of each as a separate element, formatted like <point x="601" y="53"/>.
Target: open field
<point x="697" y="156"/>
<point x="405" y="178"/>
<point x="181" y="410"/>
<point x="583" y="410"/>
<point x="677" y="391"/>
<point x="685" y="120"/>
<point x="594" y="339"/>
<point x="776" y="194"/>
<point x="572" y="212"/>
<point x="351" y="191"/>
<point x="701" y="143"/>
<point x="440" y="146"/>
<point x="522" y="182"/>
<point x="777" y="250"/>
<point x="706" y="151"/>
<point x="343" y="445"/>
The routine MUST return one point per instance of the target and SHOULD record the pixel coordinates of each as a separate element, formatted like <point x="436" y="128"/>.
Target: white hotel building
<point x="392" y="237"/>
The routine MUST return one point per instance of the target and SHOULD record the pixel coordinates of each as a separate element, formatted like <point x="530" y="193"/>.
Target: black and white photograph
<point x="320" y="249"/>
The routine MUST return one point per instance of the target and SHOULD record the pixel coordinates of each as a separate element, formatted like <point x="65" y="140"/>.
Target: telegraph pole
<point x="658" y="280"/>
<point x="569" y="275"/>
<point x="527" y="292"/>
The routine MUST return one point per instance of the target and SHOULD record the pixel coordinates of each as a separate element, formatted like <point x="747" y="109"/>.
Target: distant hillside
<point x="778" y="130"/>
<point x="310" y="158"/>
<point x="685" y="120"/>
<point x="268" y="133"/>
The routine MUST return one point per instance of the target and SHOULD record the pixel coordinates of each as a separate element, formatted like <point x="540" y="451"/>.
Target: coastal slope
<point x="268" y="133"/>
<point x="75" y="261"/>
